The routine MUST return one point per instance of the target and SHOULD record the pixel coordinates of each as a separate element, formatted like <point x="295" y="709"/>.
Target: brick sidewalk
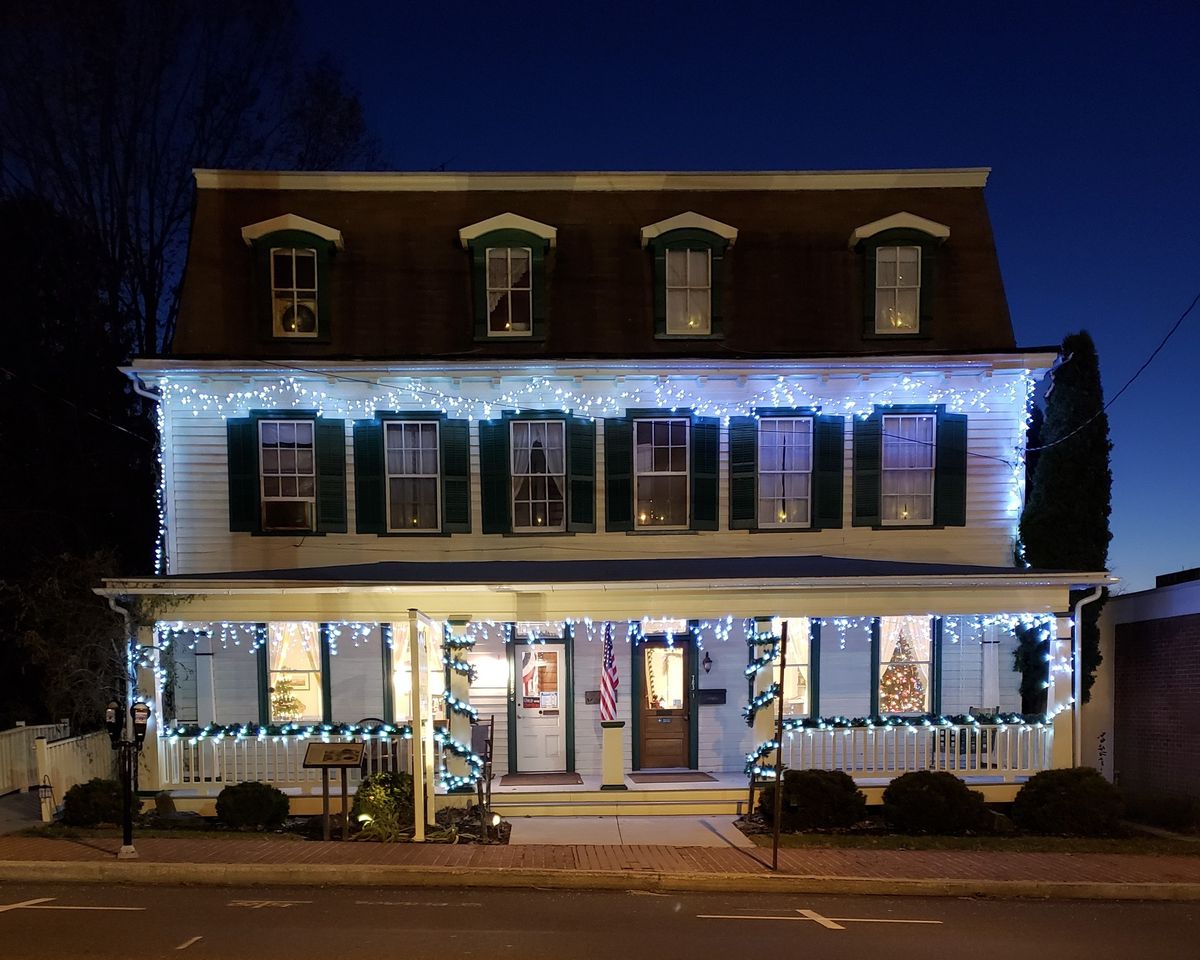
<point x="873" y="864"/>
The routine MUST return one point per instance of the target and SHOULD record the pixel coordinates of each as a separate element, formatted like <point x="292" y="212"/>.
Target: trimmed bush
<point x="814" y="800"/>
<point x="252" y="806"/>
<point x="926" y="801"/>
<point x="1076" y="802"/>
<point x="385" y="802"/>
<point x="95" y="802"/>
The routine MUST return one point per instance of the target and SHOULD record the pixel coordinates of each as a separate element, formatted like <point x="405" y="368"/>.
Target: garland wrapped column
<point x="763" y="641"/>
<point x="460" y="767"/>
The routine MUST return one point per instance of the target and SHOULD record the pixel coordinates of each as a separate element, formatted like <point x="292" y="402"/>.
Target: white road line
<point x="873" y="920"/>
<point x="188" y="943"/>
<point x="823" y="921"/>
<point x="26" y="903"/>
<point x="44" y="903"/>
<point x="57" y="907"/>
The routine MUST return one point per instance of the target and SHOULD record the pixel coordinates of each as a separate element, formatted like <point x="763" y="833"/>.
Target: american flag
<point x="608" y="678"/>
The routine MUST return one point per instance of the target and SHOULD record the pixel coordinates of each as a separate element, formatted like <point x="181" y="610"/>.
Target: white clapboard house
<point x="433" y="443"/>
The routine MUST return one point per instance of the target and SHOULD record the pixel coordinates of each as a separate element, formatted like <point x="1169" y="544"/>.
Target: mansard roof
<point x="401" y="287"/>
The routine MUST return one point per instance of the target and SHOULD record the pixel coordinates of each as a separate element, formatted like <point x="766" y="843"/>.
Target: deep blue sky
<point x="1088" y="115"/>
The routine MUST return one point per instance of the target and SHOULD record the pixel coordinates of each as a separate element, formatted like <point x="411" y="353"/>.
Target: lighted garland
<point x="921" y="721"/>
<point x="454" y="650"/>
<point x="768" y="643"/>
<point x="754" y="765"/>
<point x="195" y="732"/>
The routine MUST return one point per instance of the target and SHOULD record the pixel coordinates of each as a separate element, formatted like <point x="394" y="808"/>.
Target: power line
<point x="1128" y="383"/>
<point x="74" y="406"/>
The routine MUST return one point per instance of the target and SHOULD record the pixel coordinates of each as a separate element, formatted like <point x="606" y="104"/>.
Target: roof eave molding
<point x="289" y="221"/>
<point x="508" y="221"/>
<point x="900" y="221"/>
<point x="689" y="221"/>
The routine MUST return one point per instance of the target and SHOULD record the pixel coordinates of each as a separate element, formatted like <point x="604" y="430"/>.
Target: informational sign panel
<point x="333" y="755"/>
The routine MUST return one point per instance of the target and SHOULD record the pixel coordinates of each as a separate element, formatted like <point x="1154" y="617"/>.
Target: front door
<point x="541" y="711"/>
<point x="665" y="708"/>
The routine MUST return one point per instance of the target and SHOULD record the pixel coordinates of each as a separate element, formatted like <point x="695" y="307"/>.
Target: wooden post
<point x="324" y="803"/>
<point x="779" y="750"/>
<point x="345" y="804"/>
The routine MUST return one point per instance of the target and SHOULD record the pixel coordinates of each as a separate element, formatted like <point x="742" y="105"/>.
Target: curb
<point x="246" y="874"/>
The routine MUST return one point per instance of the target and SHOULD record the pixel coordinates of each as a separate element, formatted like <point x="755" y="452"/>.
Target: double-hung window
<point x="796" y="682"/>
<point x="294" y="291"/>
<point x="689" y="291"/>
<point x="294" y="672"/>
<point x="287" y="475"/>
<point x="905" y="665"/>
<point x="785" y="463"/>
<point x="897" y="289"/>
<point x="510" y="291"/>
<point x="906" y="480"/>
<point x="661" y="472"/>
<point x="538" y="473"/>
<point x="413" y="475"/>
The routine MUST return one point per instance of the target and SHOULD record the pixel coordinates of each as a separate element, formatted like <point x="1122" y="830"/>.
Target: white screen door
<point x="541" y="713"/>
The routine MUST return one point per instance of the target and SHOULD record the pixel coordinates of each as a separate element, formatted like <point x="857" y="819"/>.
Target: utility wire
<point x="1128" y="383"/>
<point x="74" y="406"/>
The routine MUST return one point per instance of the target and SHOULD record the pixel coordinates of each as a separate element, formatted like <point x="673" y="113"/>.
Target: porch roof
<point x="794" y="571"/>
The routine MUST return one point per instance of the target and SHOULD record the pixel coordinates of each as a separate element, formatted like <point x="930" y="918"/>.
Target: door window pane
<point x="664" y="677"/>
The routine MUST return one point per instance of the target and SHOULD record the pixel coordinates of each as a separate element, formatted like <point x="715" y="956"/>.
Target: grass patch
<point x="1161" y="846"/>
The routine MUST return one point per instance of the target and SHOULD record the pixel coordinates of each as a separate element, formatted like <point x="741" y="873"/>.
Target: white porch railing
<point x="1006" y="752"/>
<point x="70" y="761"/>
<point x="18" y="763"/>
<point x="207" y="764"/>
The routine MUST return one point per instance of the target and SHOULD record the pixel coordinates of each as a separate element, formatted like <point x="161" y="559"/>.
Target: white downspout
<point x="1077" y="678"/>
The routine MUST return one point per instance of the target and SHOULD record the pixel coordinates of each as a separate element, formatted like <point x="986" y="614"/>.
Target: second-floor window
<point x="897" y="289"/>
<point x="294" y="291"/>
<point x="413" y="475"/>
<point x="906" y="481"/>
<point x="510" y="291"/>
<point x="539" y="475"/>
<point x="288" y="474"/>
<point x="689" y="292"/>
<point x="785" y="462"/>
<point x="661" y="472"/>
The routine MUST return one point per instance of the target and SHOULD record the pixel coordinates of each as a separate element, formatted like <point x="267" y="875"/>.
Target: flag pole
<point x="783" y="632"/>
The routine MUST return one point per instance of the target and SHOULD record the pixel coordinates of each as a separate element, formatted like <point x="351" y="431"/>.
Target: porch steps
<point x="628" y="803"/>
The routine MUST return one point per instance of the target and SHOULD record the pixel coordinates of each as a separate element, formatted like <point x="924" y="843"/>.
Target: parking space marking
<point x="44" y="903"/>
<point x="188" y="943"/>
<point x="829" y="923"/>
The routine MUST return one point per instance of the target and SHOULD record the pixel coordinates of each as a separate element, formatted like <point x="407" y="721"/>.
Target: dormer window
<point x="294" y="291"/>
<point x="899" y="253"/>
<point x="508" y="275"/>
<point x="291" y="276"/>
<point x="689" y="251"/>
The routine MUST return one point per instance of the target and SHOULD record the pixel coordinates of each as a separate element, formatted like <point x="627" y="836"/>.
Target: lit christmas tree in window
<point x="903" y="688"/>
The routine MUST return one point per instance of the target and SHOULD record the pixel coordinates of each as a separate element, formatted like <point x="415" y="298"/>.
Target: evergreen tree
<point x="1065" y="522"/>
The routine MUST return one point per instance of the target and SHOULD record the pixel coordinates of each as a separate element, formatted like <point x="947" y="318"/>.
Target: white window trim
<point x="294" y="292"/>
<point x="513" y="479"/>
<point x="689" y="220"/>
<point x="508" y="221"/>
<point x="688" y="288"/>
<point x="899" y="221"/>
<point x="932" y="470"/>
<point x="290" y="221"/>
<point x="894" y="288"/>
<point x="262" y="495"/>
<point x="489" y="290"/>
<point x="686" y="473"/>
<point x="436" y="477"/>
<point x="776" y="524"/>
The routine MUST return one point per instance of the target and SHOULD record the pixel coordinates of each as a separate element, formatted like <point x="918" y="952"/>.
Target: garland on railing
<point x="922" y="720"/>
<point x="257" y="731"/>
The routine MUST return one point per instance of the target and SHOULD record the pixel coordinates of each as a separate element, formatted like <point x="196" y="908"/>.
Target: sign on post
<point x="334" y="756"/>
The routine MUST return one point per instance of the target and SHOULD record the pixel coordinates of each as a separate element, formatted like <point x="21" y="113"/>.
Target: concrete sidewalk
<point x="250" y="860"/>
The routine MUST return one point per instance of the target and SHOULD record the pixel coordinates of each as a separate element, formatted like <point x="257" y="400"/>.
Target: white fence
<point x="207" y="764"/>
<point x="18" y="763"/>
<point x="1005" y="752"/>
<point x="70" y="761"/>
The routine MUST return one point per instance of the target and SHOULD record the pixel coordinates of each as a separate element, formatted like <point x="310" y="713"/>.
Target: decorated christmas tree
<point x="285" y="705"/>
<point x="902" y="687"/>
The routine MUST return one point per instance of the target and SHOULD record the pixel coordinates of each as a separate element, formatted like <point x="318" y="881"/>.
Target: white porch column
<point x="765" y="719"/>
<point x="460" y="689"/>
<point x="150" y="692"/>
<point x="1058" y="695"/>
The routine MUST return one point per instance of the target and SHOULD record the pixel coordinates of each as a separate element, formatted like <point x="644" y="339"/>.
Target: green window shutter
<point x="241" y="438"/>
<point x="456" y="476"/>
<point x="950" y="471"/>
<point x="538" y="280"/>
<point x="869" y="290"/>
<point x="494" y="485"/>
<point x="928" y="286"/>
<point x="868" y="467"/>
<point x="330" y="444"/>
<point x="581" y="475"/>
<point x="743" y="473"/>
<point x="660" y="288"/>
<point x="716" y="280"/>
<point x="706" y="464"/>
<point x="829" y="471"/>
<point x="618" y="474"/>
<point x="370" y="480"/>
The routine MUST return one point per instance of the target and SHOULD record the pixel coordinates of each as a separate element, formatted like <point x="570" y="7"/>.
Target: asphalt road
<point x="298" y="923"/>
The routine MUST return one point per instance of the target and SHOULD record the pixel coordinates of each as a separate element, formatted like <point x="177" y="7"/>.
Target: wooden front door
<point x="665" y="704"/>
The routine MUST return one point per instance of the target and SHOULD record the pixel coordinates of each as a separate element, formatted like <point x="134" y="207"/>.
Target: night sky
<point x="1087" y="115"/>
